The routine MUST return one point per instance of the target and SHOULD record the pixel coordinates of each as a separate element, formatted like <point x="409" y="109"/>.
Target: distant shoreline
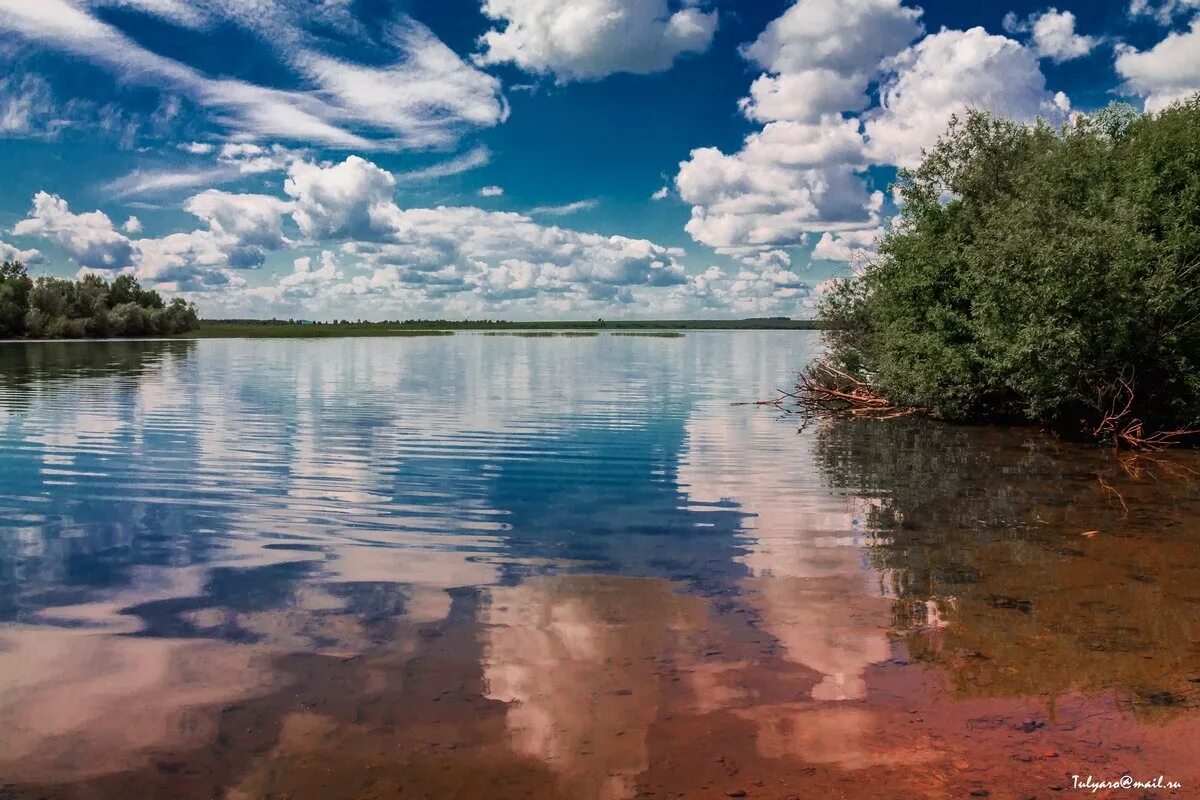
<point x="266" y="329"/>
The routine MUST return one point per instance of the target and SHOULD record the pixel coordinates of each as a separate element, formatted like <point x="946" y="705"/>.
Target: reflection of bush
<point x="980" y="536"/>
<point x="46" y="364"/>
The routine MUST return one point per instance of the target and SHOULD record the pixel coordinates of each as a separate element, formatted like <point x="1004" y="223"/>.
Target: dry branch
<point x="824" y="388"/>
<point x="1120" y="427"/>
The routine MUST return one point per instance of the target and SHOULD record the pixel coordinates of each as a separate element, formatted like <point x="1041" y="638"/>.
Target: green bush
<point x="90" y="307"/>
<point x="1038" y="273"/>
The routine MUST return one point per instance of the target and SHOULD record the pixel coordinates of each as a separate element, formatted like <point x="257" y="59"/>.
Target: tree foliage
<point x="55" y="308"/>
<point x="1039" y="273"/>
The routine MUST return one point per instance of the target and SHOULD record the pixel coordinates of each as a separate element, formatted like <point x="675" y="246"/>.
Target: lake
<point x="481" y="566"/>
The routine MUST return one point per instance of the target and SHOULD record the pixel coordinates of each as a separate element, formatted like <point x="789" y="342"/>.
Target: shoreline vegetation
<point x="1034" y="275"/>
<point x="277" y="328"/>
<point x="89" y="308"/>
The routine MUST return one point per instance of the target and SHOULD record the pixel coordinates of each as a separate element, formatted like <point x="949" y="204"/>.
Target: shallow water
<point x="493" y="567"/>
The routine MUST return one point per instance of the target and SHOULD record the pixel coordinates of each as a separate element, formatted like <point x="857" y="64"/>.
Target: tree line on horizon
<point x="88" y="308"/>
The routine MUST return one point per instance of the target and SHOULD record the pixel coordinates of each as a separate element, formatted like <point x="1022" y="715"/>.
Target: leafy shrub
<point x="1040" y="274"/>
<point x="89" y="307"/>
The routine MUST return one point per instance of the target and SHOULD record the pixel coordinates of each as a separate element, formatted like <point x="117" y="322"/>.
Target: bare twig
<point x="824" y="388"/>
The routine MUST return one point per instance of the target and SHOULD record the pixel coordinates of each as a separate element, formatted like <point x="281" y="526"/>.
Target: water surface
<point x="473" y="566"/>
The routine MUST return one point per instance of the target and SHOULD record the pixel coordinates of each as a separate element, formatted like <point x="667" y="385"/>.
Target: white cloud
<point x="241" y="220"/>
<point x="348" y="200"/>
<point x="588" y="39"/>
<point x="147" y="182"/>
<point x="1053" y="34"/>
<point x="803" y="172"/>
<point x="183" y="261"/>
<point x="788" y="179"/>
<point x="88" y="239"/>
<point x="197" y="148"/>
<point x="565" y="209"/>
<point x="426" y="96"/>
<point x="10" y="252"/>
<point x="491" y="191"/>
<point x="662" y="193"/>
<point x="766" y="259"/>
<point x="1163" y="12"/>
<point x="849" y="246"/>
<point x="472" y="159"/>
<point x="803" y="96"/>
<point x="449" y="260"/>
<point x="820" y="56"/>
<point x="132" y="226"/>
<point x="498" y="253"/>
<point x="25" y="104"/>
<point x="1167" y="72"/>
<point x="238" y="229"/>
<point x="233" y="161"/>
<point x="306" y="281"/>
<point x="254" y="159"/>
<point x="946" y="73"/>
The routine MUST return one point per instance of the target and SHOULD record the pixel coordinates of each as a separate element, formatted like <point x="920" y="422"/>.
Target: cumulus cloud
<point x="503" y="255"/>
<point x="238" y="230"/>
<point x="575" y="40"/>
<point x="306" y="281"/>
<point x="788" y="179"/>
<point x="803" y="172"/>
<point x="350" y="200"/>
<point x="821" y="55"/>
<point x="423" y="95"/>
<point x="944" y="74"/>
<point x="848" y="246"/>
<point x="1167" y="72"/>
<point x="662" y="193"/>
<point x="1053" y="35"/>
<point x="455" y="260"/>
<point x="241" y="220"/>
<point x="183" y="261"/>
<point x="10" y="252"/>
<point x="132" y="226"/>
<point x="466" y="257"/>
<point x="88" y="239"/>
<point x="491" y="191"/>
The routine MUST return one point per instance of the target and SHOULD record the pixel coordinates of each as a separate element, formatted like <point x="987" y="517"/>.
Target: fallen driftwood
<point x="1119" y="426"/>
<point x="823" y="387"/>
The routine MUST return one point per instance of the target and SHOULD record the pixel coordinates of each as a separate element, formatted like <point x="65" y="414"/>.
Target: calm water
<point x="497" y="566"/>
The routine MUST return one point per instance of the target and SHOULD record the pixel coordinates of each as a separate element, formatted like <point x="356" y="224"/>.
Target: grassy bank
<point x="254" y="329"/>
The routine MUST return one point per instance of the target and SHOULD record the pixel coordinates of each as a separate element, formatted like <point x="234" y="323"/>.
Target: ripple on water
<point x="564" y="566"/>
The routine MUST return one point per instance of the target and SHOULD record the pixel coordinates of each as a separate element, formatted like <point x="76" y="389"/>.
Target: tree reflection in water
<point x="1031" y="567"/>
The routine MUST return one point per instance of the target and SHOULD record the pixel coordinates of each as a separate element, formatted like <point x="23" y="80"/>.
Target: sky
<point x="518" y="159"/>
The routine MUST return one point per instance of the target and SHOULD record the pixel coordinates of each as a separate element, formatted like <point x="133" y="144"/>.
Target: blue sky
<point x="543" y="159"/>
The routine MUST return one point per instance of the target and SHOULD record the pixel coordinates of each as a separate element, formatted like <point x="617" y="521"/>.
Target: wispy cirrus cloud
<point x="425" y="95"/>
<point x="472" y="159"/>
<point x="565" y="209"/>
